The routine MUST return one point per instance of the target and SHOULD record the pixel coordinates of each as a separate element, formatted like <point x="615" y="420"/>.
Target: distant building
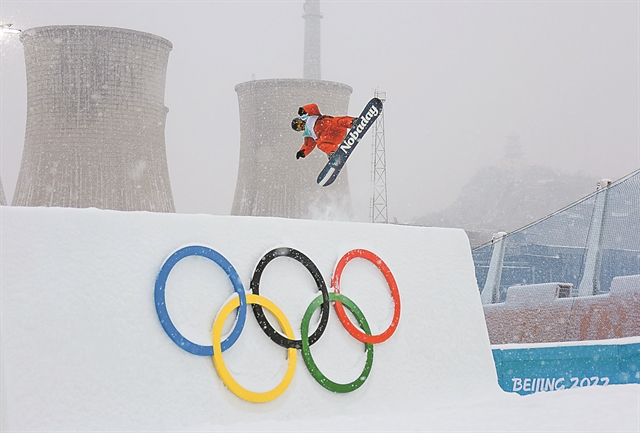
<point x="513" y="149"/>
<point x="95" y="120"/>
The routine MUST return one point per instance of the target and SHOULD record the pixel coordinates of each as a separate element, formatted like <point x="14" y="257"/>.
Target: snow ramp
<point x="83" y="346"/>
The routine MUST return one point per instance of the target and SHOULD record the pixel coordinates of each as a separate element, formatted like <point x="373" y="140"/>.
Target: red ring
<point x="395" y="294"/>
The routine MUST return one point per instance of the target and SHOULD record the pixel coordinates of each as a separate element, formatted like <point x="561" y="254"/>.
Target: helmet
<point x="297" y="124"/>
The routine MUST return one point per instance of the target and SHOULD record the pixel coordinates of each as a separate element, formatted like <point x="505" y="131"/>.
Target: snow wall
<point x="83" y="348"/>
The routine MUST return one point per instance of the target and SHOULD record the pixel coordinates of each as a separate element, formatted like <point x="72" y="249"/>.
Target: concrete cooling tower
<point x="3" y="199"/>
<point x="95" y="120"/>
<point x="271" y="182"/>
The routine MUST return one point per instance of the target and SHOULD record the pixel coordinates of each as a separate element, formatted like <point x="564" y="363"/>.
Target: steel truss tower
<point x="378" y="211"/>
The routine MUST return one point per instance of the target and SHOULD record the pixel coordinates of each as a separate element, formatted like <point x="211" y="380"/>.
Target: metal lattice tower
<point x="378" y="211"/>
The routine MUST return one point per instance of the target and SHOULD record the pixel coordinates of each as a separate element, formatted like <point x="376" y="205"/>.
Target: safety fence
<point x="585" y="245"/>
<point x="556" y="279"/>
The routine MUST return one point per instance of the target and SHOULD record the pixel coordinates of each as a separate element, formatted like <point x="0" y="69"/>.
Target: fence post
<point x="590" y="282"/>
<point x="491" y="291"/>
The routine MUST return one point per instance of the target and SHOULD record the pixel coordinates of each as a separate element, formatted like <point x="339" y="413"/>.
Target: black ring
<point x="275" y="336"/>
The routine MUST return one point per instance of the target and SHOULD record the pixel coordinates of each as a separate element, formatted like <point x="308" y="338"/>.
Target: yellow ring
<point x="218" y="362"/>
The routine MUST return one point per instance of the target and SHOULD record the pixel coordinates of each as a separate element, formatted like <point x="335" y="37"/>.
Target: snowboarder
<point x="324" y="132"/>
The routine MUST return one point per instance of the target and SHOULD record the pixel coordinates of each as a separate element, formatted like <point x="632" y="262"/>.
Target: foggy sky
<point x="459" y="77"/>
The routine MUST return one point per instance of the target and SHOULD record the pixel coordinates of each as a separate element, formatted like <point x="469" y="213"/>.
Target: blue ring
<point x="161" y="307"/>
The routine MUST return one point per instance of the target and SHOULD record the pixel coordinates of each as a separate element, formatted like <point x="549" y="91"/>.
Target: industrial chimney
<point x="312" y="17"/>
<point x="95" y="120"/>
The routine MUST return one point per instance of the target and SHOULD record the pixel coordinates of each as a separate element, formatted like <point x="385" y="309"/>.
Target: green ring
<point x="306" y="351"/>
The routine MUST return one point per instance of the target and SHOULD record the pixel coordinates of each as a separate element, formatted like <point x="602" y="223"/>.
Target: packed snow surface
<point x="83" y="348"/>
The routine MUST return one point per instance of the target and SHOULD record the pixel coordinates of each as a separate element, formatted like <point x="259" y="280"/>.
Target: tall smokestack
<point x="95" y="120"/>
<point x="312" y="17"/>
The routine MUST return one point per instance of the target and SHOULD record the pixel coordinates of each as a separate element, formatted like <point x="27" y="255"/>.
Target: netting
<point x="587" y="244"/>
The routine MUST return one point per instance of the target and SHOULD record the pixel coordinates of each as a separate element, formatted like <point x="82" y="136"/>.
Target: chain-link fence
<point x="584" y="246"/>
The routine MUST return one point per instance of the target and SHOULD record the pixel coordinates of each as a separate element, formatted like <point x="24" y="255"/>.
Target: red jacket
<point x="329" y="130"/>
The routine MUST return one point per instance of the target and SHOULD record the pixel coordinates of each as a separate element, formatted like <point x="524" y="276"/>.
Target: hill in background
<point x="508" y="196"/>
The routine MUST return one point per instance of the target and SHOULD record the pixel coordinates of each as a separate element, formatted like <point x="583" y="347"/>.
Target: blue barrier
<point x="541" y="369"/>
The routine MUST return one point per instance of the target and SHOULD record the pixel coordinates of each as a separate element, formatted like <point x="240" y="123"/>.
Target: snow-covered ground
<point x="83" y="348"/>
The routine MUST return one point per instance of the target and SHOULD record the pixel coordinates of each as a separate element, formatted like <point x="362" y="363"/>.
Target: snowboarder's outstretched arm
<point x="309" y="109"/>
<point x="345" y="121"/>
<point x="308" y="145"/>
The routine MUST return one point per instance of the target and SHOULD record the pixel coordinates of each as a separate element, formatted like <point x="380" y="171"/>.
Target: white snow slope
<point x="83" y="349"/>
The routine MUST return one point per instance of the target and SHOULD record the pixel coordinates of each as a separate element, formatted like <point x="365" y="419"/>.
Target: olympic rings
<point x="395" y="294"/>
<point x="221" y="368"/>
<point x="306" y="351"/>
<point x="287" y="340"/>
<point x="161" y="307"/>
<point x="257" y="309"/>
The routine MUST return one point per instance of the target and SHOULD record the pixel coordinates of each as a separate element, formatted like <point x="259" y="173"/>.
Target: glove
<point x="300" y="154"/>
<point x="301" y="111"/>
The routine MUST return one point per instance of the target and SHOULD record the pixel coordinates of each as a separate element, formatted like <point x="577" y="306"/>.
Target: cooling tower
<point x="95" y="120"/>
<point x="271" y="182"/>
<point x="3" y="200"/>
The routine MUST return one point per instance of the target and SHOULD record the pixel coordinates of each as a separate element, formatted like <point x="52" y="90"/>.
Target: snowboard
<point x="361" y="125"/>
